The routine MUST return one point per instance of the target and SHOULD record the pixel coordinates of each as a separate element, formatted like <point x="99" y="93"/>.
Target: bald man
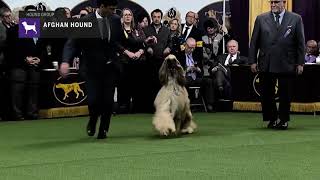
<point x="220" y="70"/>
<point x="192" y="64"/>
<point x="277" y="50"/>
<point x="311" y="52"/>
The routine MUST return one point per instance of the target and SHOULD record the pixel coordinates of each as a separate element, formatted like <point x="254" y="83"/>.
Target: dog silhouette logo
<point x="29" y="28"/>
<point x="72" y="87"/>
<point x="70" y="90"/>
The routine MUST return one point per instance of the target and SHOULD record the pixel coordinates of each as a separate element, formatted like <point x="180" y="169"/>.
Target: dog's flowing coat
<point x="173" y="115"/>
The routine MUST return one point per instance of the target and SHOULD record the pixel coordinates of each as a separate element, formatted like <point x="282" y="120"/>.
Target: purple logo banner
<point x="29" y="28"/>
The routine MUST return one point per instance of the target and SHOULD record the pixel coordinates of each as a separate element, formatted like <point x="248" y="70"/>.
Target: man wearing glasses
<point x="7" y="26"/>
<point x="6" y="17"/>
<point x="277" y="53"/>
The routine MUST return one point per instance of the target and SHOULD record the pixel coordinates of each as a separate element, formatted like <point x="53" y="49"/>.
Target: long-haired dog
<point x="173" y="115"/>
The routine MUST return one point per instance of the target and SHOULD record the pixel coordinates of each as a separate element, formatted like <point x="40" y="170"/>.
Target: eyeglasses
<point x="190" y="47"/>
<point x="127" y="15"/>
<point x="7" y="16"/>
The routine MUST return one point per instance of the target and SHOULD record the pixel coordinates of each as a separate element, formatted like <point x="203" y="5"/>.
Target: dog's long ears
<point x="163" y="73"/>
<point x="181" y="79"/>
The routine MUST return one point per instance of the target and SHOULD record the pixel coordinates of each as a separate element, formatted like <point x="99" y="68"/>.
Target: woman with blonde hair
<point x="132" y="60"/>
<point x="175" y="35"/>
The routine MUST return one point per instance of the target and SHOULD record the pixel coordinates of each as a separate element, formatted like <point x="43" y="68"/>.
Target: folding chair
<point x="196" y="98"/>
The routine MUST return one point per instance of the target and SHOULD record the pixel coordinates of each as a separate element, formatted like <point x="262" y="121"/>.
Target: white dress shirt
<point x="234" y="57"/>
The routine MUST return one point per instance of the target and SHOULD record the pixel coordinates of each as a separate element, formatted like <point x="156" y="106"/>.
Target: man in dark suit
<point x="6" y="24"/>
<point x="100" y="61"/>
<point x="3" y="37"/>
<point x="24" y="71"/>
<point x="312" y="51"/>
<point x="190" y="30"/>
<point x="158" y="47"/>
<point x="278" y="36"/>
<point x="220" y="71"/>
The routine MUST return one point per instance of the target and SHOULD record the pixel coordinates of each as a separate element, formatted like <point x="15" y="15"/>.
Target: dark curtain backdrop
<point x="240" y="23"/>
<point x="3" y="4"/>
<point x="309" y="10"/>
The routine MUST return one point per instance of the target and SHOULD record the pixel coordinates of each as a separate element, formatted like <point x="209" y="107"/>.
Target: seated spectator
<point x="220" y="70"/>
<point x="311" y="52"/>
<point x="212" y="43"/>
<point x="192" y="64"/>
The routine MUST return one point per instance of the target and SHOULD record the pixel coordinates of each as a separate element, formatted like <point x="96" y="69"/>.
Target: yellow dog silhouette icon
<point x="67" y="88"/>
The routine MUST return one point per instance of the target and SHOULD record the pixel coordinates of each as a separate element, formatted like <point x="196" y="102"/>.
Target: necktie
<point x="106" y="29"/>
<point x="35" y="40"/>
<point x="230" y="60"/>
<point x="191" y="63"/>
<point x="278" y="20"/>
<point x="193" y="75"/>
<point x="185" y="32"/>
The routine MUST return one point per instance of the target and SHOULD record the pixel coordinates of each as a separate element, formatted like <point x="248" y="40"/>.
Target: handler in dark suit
<point x="220" y="70"/>
<point x="279" y="37"/>
<point x="99" y="59"/>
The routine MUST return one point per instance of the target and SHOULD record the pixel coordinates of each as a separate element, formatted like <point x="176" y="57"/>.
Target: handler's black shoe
<point x="272" y="125"/>
<point x="91" y="127"/>
<point x="282" y="125"/>
<point x="102" y="134"/>
<point x="90" y="130"/>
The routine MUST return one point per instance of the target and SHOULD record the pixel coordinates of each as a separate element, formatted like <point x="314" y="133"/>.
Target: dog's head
<point x="171" y="69"/>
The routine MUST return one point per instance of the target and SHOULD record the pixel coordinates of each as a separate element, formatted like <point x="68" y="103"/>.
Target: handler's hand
<point x="64" y="69"/>
<point x="254" y="68"/>
<point x="299" y="69"/>
<point x="215" y="69"/>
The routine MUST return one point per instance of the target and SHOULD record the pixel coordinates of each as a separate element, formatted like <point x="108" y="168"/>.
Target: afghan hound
<point x="173" y="115"/>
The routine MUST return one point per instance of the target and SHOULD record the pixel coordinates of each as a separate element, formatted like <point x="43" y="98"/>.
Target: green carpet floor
<point x="226" y="146"/>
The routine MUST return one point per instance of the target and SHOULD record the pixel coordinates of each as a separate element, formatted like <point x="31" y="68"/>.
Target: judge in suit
<point x="277" y="51"/>
<point x="100" y="61"/>
<point x="220" y="70"/>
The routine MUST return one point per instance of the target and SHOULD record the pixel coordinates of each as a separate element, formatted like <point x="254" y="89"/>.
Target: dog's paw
<point x="188" y="130"/>
<point x="167" y="132"/>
